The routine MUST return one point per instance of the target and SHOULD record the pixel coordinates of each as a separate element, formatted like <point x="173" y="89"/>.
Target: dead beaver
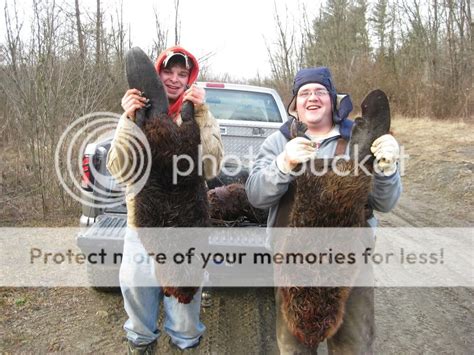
<point x="163" y="202"/>
<point x="313" y="314"/>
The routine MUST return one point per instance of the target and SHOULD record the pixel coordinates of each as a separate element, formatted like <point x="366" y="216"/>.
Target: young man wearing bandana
<point x="316" y="103"/>
<point x="178" y="69"/>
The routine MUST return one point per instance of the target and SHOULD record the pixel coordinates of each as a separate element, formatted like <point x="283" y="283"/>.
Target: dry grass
<point x="21" y="200"/>
<point x="440" y="164"/>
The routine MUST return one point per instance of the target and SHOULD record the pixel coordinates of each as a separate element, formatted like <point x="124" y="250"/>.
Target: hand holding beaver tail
<point x="386" y="152"/>
<point x="133" y="101"/>
<point x="298" y="150"/>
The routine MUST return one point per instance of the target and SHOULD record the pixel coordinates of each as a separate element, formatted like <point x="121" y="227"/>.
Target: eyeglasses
<point x="307" y="93"/>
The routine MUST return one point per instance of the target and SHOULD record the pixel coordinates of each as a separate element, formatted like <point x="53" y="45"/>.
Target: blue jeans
<point x="142" y="304"/>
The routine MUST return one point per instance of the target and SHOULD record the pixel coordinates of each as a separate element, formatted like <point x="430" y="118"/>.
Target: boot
<point x="146" y="349"/>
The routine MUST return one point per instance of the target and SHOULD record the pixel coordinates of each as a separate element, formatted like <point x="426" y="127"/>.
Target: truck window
<point x="242" y="105"/>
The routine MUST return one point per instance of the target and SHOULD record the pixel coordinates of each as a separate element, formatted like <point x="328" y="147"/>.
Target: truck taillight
<point x="87" y="179"/>
<point x="215" y="85"/>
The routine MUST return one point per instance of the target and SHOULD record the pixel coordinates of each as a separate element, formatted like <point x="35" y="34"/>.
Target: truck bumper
<point x="105" y="237"/>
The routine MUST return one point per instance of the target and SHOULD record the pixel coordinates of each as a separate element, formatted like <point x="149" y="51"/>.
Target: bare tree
<point x="98" y="34"/>
<point x="177" y="23"/>
<point x="161" y="39"/>
<point x="80" y="35"/>
<point x="13" y="35"/>
<point x="284" y="53"/>
<point x="45" y="86"/>
<point x="118" y="33"/>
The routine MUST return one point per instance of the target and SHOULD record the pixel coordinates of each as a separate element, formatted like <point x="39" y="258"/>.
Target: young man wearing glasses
<point x="316" y="103"/>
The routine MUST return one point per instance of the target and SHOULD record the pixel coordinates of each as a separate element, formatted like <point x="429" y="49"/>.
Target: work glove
<point x="386" y="152"/>
<point x="298" y="150"/>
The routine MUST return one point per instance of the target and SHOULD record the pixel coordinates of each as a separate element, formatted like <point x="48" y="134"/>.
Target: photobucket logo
<point x="361" y="166"/>
<point x="233" y="165"/>
<point x="80" y="162"/>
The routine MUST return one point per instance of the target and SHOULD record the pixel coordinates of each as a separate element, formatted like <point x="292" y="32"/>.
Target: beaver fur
<point x="163" y="202"/>
<point x="230" y="203"/>
<point x="313" y="314"/>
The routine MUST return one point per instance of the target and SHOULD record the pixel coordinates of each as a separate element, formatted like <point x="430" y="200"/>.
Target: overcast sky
<point x="234" y="30"/>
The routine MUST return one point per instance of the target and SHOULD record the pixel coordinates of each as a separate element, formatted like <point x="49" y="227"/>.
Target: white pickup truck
<point x="246" y="115"/>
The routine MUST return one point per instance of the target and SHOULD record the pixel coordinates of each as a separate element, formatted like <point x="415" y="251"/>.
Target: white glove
<point x="386" y="152"/>
<point x="298" y="150"/>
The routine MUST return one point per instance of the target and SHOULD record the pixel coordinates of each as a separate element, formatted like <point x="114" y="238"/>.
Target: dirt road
<point x="409" y="321"/>
<point x="423" y="320"/>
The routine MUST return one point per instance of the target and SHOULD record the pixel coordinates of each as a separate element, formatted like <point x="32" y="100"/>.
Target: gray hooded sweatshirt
<point x="266" y="184"/>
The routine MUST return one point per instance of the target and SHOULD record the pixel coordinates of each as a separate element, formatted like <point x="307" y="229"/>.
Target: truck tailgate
<point x="108" y="229"/>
